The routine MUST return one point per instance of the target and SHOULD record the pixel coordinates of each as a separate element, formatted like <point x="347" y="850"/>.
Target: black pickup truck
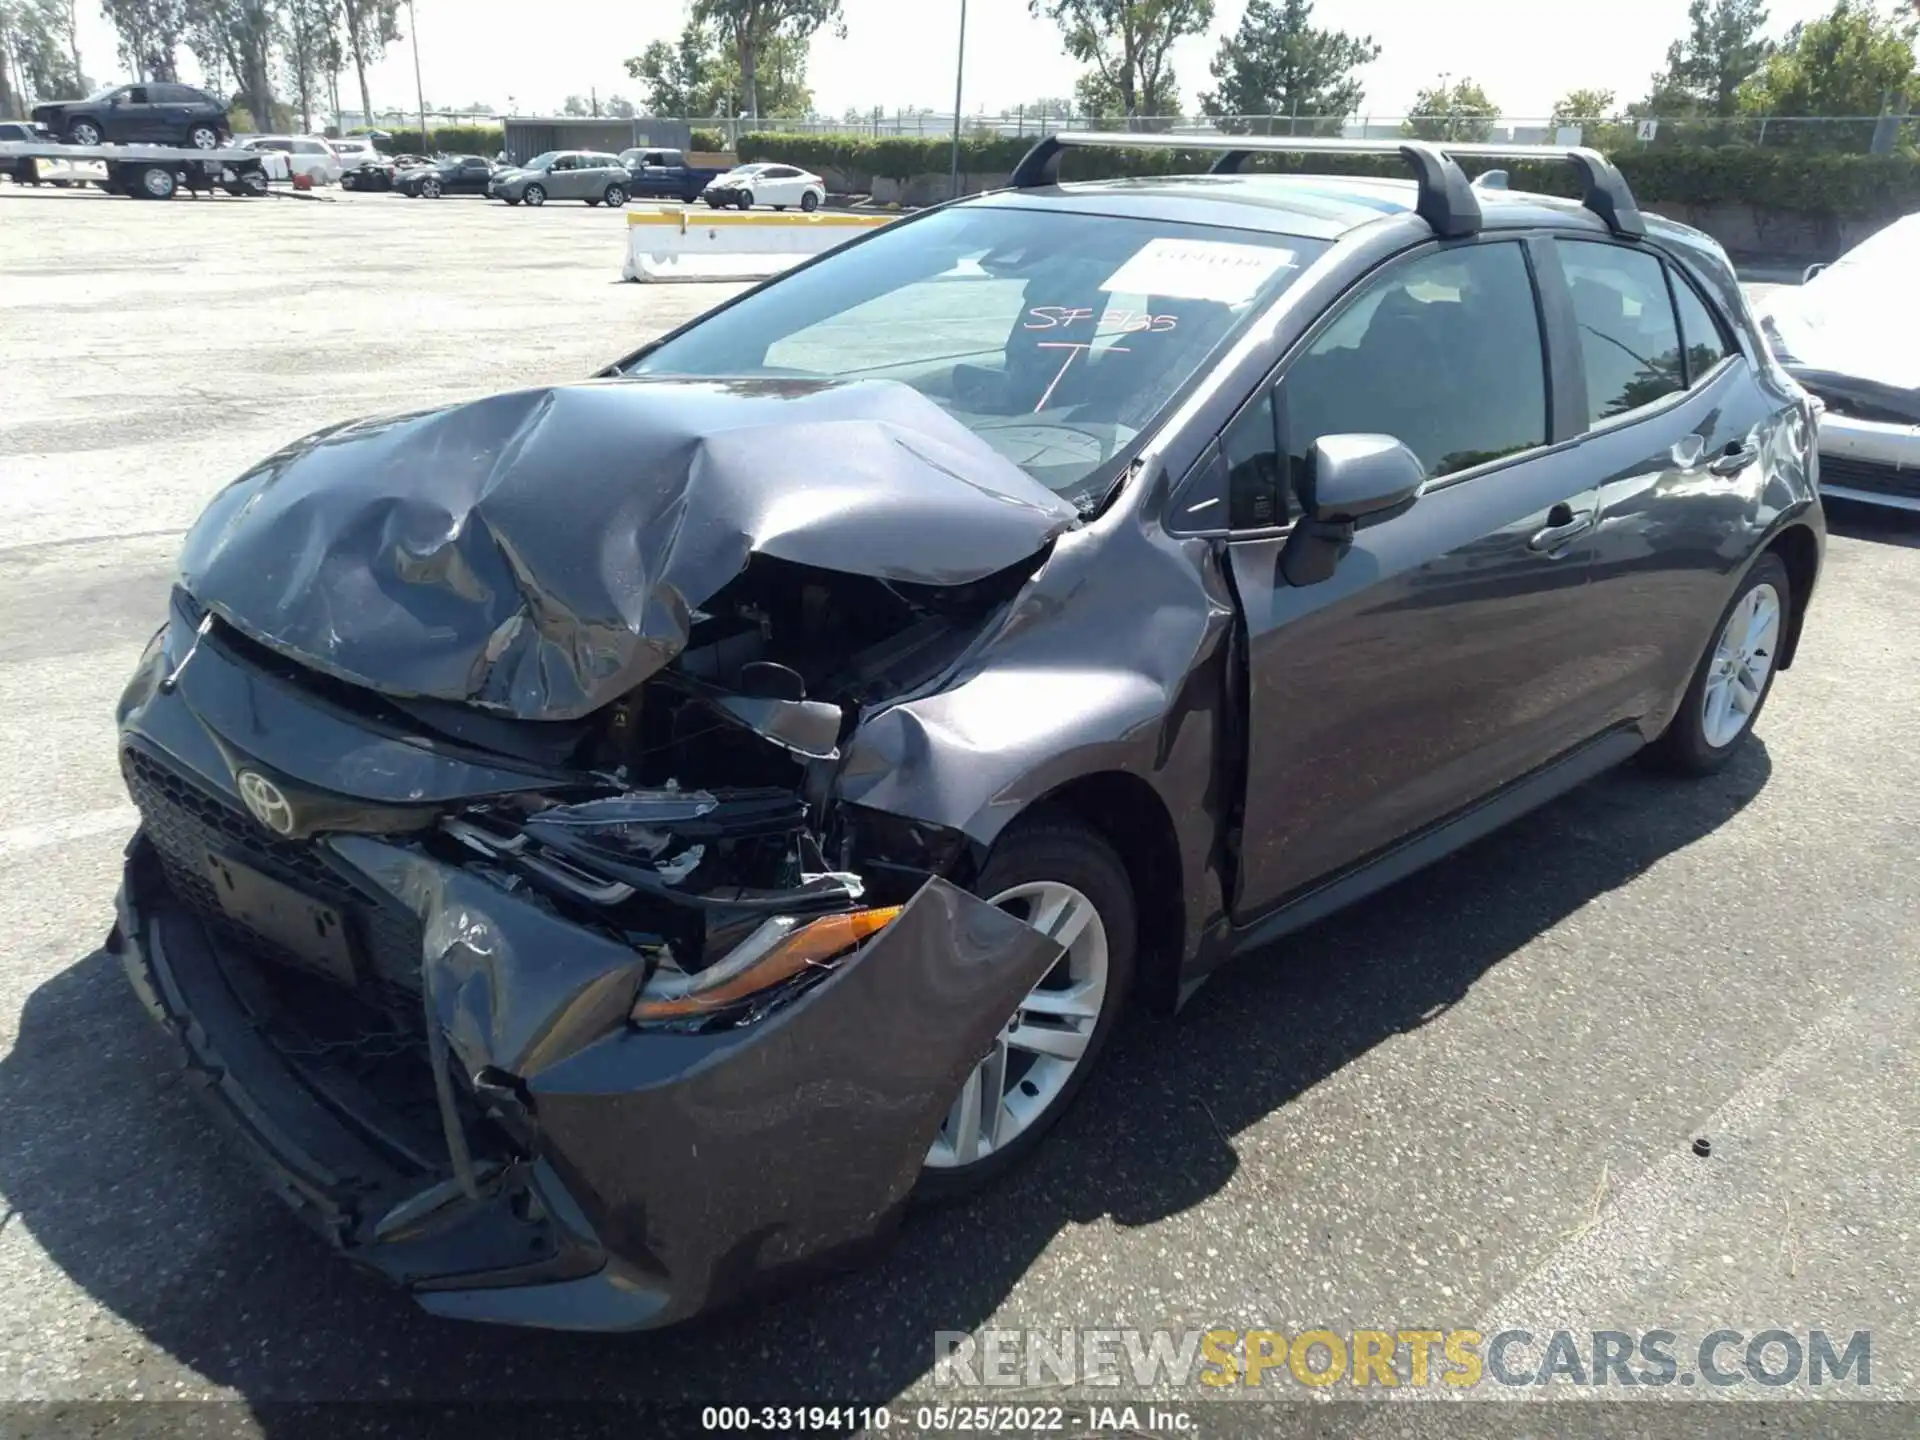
<point x="665" y="175"/>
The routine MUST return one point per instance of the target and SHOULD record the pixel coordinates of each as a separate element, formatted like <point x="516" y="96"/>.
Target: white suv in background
<point x="306" y="155"/>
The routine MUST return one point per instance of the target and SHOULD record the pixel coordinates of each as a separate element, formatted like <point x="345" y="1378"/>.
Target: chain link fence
<point x="1856" y="134"/>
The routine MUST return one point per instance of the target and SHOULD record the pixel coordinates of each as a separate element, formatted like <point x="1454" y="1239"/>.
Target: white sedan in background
<point x="305" y="155"/>
<point x="766" y="182"/>
<point x="1848" y="336"/>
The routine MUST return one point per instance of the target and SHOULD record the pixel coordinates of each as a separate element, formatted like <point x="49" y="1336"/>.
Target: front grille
<point x="1873" y="478"/>
<point x="363" y="1047"/>
<point x="185" y="821"/>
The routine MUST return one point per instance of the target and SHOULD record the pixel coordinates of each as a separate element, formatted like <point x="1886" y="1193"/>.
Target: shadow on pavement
<point x="1878" y="524"/>
<point x="112" y="1166"/>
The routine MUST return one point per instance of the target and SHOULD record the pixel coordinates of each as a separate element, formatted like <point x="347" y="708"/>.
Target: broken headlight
<point x="777" y="952"/>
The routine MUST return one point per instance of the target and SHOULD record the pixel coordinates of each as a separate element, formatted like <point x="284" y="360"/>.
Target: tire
<point x="1710" y="728"/>
<point x="429" y="189"/>
<point x="510" y="200"/>
<point x="153" y="182"/>
<point x="745" y="202"/>
<point x="1059" y="853"/>
<point x="203" y="137"/>
<point x="347" y="182"/>
<point x="593" y="202"/>
<point x="615" y="197"/>
<point x="254" y="183"/>
<point x="83" y="132"/>
<point x="535" y="195"/>
<point x="809" y="202"/>
<point x="713" y="202"/>
<point x="779" y="208"/>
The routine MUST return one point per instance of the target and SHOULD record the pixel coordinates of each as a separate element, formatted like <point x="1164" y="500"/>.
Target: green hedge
<point x="1848" y="187"/>
<point x="707" y="141"/>
<point x="486" y="140"/>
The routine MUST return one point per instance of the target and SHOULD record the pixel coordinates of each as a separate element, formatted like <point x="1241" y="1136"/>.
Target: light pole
<point x="419" y="90"/>
<point x="959" y="77"/>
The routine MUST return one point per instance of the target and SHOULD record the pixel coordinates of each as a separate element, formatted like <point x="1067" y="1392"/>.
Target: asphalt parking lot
<point x="1471" y="1103"/>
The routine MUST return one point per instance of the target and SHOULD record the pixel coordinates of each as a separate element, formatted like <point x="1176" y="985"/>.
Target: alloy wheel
<point x="535" y="195"/>
<point x="203" y="137"/>
<point x="84" y="132"/>
<point x="1742" y="661"/>
<point x="1038" y="1050"/>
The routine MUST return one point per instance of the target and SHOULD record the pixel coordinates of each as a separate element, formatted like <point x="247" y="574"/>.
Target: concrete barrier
<point x="679" y="244"/>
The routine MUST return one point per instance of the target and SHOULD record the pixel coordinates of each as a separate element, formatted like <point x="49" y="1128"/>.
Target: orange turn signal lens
<point x="814" y="943"/>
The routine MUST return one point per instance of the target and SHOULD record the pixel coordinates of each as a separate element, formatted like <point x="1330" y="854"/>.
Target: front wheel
<point x="615" y="197"/>
<point x="1066" y="881"/>
<point x="83" y="132"/>
<point x="745" y="202"/>
<point x="430" y="189"/>
<point x="535" y="195"/>
<point x="810" y="202"/>
<point x="1734" y="677"/>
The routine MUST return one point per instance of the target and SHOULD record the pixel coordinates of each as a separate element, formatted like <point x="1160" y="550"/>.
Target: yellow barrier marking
<point x="722" y="218"/>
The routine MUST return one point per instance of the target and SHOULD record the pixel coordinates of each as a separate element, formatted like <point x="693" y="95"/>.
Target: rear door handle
<point x="1564" y="523"/>
<point x="1735" y="460"/>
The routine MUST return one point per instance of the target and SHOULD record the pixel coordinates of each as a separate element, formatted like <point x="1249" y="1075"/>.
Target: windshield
<point x="541" y="162"/>
<point x="1057" y="337"/>
<point x="105" y="91"/>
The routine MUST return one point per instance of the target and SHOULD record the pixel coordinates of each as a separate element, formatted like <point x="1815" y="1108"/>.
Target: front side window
<point x="1629" y="342"/>
<point x="1057" y="337"/>
<point x="1443" y="353"/>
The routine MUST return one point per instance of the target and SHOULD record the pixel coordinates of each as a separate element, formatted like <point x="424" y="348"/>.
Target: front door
<point x="133" y="118"/>
<point x="1447" y="653"/>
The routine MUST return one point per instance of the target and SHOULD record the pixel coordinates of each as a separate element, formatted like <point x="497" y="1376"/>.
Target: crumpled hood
<point x="540" y="553"/>
<point x="1858" y="317"/>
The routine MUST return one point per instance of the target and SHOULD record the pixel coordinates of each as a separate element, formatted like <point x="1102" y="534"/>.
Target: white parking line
<point x="23" y="838"/>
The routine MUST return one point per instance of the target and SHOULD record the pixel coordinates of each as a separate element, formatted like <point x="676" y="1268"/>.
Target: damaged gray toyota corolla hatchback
<point x="611" y="844"/>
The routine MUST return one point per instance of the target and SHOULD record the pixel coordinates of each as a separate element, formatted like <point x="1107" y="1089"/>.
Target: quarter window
<point x="1444" y="354"/>
<point x="1629" y="341"/>
<point x="1706" y="342"/>
<point x="1256" y="494"/>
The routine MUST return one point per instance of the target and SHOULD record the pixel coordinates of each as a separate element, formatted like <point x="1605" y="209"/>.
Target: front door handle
<point x="1735" y="460"/>
<point x="1564" y="523"/>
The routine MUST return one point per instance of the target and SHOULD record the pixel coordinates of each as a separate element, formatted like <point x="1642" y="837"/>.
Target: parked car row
<point x="602" y="179"/>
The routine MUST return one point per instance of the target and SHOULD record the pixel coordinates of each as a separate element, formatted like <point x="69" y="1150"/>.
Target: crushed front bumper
<point x="594" y="1176"/>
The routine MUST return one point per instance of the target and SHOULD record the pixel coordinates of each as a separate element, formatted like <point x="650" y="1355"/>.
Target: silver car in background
<point x="585" y="175"/>
<point x="1847" y="335"/>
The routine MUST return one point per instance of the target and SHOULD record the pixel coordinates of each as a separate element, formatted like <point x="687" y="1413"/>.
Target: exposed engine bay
<point x="703" y="812"/>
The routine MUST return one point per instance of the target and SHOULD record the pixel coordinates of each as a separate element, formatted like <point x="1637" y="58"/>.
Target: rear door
<point x="1684" y="430"/>
<point x="472" y="176"/>
<point x="1446" y="654"/>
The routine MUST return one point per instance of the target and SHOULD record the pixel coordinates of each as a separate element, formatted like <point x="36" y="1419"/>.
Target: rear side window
<point x="1443" y="353"/>
<point x="1629" y="342"/>
<point x="1706" y="342"/>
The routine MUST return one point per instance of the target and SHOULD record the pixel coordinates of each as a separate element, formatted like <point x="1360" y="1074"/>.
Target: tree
<point x="10" y="102"/>
<point x="675" y="76"/>
<point x="313" y="51"/>
<point x="620" y="107"/>
<point x="699" y="75"/>
<point x="40" y="37"/>
<point x="237" y="38"/>
<point x="1460" y="111"/>
<point x="1582" y="106"/>
<point x="753" y="31"/>
<point x="1278" y="63"/>
<point x="1128" y="43"/>
<point x="574" y="105"/>
<point x="1048" y="107"/>
<point x="1853" y="61"/>
<point x="1724" y="44"/>
<point x="372" y="25"/>
<point x="150" y="33"/>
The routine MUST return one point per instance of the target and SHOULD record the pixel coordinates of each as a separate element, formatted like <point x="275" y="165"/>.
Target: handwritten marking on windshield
<point x="1125" y="322"/>
<point x="1073" y="350"/>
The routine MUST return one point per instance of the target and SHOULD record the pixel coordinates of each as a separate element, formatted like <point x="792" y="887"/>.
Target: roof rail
<point x="1447" y="202"/>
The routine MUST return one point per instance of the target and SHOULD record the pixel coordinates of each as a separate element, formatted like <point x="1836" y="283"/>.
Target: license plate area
<point x="302" y="929"/>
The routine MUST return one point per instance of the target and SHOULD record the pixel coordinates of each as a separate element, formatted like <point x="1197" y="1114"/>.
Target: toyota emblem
<point x="268" y="804"/>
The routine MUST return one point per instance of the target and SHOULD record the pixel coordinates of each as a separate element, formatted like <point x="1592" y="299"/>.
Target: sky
<point x="529" y="57"/>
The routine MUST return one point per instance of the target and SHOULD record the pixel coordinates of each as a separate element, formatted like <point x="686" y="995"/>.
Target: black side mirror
<point x="1350" y="479"/>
